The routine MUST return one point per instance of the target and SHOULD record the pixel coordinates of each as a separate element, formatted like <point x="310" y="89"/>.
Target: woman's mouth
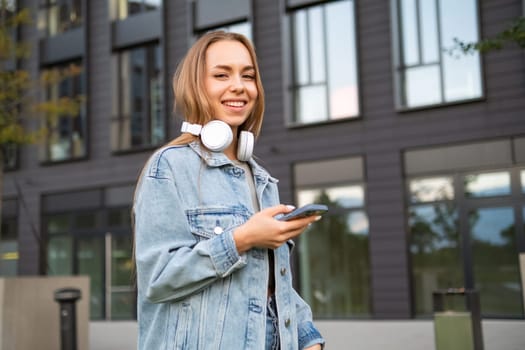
<point x="234" y="104"/>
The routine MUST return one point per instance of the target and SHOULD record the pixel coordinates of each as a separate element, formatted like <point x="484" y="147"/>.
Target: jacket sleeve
<point x="308" y="334"/>
<point x="170" y="263"/>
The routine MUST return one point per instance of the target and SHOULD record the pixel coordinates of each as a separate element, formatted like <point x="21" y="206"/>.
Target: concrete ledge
<point x="369" y="335"/>
<point x="413" y="334"/>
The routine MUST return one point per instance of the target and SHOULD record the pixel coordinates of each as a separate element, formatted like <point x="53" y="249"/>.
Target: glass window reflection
<point x="486" y="246"/>
<point x="57" y="17"/>
<point x="435" y="252"/>
<point x="90" y="262"/>
<point x="59" y="256"/>
<point x="94" y="243"/>
<point x="122" y="9"/>
<point x="357" y="223"/>
<point x="122" y="293"/>
<point x="244" y="28"/>
<point x="486" y="185"/>
<point x="9" y="243"/>
<point x="431" y="189"/>
<point x="335" y="268"/>
<point x="495" y="259"/>
<point x="325" y="84"/>
<point x="343" y="196"/>
<point x="58" y="224"/>
<point x="138" y="112"/>
<point x="66" y="136"/>
<point x="428" y="73"/>
<point x="11" y="157"/>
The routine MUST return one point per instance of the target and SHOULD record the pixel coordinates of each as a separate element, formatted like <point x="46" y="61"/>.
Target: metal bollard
<point x="67" y="298"/>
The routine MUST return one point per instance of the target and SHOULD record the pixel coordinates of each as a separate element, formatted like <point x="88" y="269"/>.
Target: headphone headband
<point x="217" y="136"/>
<point x="194" y="129"/>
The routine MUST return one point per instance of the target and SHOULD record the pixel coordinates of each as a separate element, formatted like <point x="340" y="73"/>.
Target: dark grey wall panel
<point x="100" y="81"/>
<point x="519" y="150"/>
<point x="119" y="195"/>
<point x="137" y="29"/>
<point x="329" y="171"/>
<point x="297" y="3"/>
<point x="9" y="207"/>
<point x="459" y="157"/>
<point x="63" y="47"/>
<point x="212" y="13"/>
<point x="90" y="199"/>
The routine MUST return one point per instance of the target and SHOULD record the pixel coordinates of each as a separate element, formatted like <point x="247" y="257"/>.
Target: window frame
<point x="118" y="116"/>
<point x="46" y="8"/>
<point x="45" y="156"/>
<point x="13" y="215"/>
<point x="398" y="71"/>
<point x="102" y="230"/>
<point x="288" y="81"/>
<point x="464" y="206"/>
<point x="349" y="172"/>
<point x="117" y="13"/>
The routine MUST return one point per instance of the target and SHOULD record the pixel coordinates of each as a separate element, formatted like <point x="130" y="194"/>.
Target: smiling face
<point x="230" y="82"/>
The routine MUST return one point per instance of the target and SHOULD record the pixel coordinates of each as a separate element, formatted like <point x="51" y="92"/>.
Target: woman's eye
<point x="249" y="77"/>
<point x="220" y="75"/>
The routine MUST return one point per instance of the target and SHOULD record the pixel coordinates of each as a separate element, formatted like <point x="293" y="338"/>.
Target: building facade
<point x="417" y="148"/>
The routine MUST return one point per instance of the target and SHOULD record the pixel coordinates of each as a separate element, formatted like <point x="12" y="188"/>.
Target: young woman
<point x="213" y="262"/>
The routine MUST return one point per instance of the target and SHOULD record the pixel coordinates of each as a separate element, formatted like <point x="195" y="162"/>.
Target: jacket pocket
<point x="207" y="222"/>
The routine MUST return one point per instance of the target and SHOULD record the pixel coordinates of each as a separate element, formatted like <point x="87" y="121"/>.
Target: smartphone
<point x="304" y="211"/>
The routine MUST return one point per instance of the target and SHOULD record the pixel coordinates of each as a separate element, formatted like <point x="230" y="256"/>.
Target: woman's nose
<point x="237" y="84"/>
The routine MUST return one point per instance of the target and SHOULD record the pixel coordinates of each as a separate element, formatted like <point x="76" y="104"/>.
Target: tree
<point x="514" y="33"/>
<point x="21" y="95"/>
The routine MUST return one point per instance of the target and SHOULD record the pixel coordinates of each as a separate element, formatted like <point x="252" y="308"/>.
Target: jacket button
<point x="283" y="271"/>
<point x="218" y="230"/>
<point x="287" y="322"/>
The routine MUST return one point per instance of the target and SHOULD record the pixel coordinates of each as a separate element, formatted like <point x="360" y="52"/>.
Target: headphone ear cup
<point x="216" y="135"/>
<point x="245" y="146"/>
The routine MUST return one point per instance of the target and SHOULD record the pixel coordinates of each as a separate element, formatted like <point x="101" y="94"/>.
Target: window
<point x="324" y="63"/>
<point x="11" y="5"/>
<point x="244" y="28"/>
<point x="466" y="239"/>
<point x="66" y="134"/>
<point x="9" y="238"/>
<point x="95" y="240"/>
<point x="334" y="259"/>
<point x="10" y="156"/>
<point x="495" y="260"/>
<point x="426" y="72"/>
<point x="59" y="16"/>
<point x="487" y="184"/>
<point x="138" y="102"/>
<point x="122" y="9"/>
<point x="230" y="16"/>
<point x="434" y="240"/>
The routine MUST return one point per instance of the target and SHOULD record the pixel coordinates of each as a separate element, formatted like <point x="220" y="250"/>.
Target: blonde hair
<point x="191" y="100"/>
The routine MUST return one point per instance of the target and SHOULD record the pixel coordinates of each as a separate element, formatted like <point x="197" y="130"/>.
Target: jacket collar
<point x="217" y="159"/>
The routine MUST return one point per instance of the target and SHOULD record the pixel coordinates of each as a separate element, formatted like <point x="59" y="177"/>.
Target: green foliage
<point x="514" y="34"/>
<point x="21" y="94"/>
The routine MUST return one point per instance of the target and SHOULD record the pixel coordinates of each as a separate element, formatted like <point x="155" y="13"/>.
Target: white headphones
<point x="217" y="136"/>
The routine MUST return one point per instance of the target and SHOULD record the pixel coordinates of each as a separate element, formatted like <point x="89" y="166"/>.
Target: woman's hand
<point x="264" y="231"/>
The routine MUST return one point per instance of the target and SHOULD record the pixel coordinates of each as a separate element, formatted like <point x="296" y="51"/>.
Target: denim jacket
<point x="194" y="289"/>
